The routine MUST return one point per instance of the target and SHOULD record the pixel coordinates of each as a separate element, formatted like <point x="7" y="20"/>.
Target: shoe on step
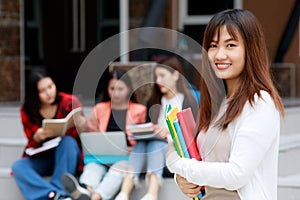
<point x="72" y="186"/>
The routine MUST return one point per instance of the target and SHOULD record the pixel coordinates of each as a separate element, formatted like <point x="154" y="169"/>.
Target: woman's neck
<point x="170" y="94"/>
<point x="232" y="86"/>
<point x="119" y="106"/>
<point x="48" y="111"/>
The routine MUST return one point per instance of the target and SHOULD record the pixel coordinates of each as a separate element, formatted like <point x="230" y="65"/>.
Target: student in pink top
<point x="117" y="109"/>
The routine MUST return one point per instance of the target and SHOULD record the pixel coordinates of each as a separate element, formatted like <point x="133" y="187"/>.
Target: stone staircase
<point x="12" y="142"/>
<point x="289" y="163"/>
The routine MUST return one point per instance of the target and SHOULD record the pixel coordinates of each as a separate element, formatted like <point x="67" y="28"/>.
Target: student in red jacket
<point x="117" y="109"/>
<point x="43" y="101"/>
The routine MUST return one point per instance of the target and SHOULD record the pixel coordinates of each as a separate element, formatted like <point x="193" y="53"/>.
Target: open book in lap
<point x="60" y="126"/>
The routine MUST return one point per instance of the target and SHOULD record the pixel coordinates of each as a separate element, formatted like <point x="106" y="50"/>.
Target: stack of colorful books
<point x="182" y="127"/>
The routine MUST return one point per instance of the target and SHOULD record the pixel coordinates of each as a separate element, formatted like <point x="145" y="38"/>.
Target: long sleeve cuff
<point x="175" y="163"/>
<point x="182" y="166"/>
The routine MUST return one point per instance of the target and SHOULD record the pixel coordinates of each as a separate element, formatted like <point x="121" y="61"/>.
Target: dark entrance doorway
<point x="60" y="34"/>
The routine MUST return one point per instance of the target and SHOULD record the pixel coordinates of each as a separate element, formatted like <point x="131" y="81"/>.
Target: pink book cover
<point x="188" y="125"/>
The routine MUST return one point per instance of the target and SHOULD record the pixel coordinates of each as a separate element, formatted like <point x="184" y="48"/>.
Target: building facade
<point x="58" y="35"/>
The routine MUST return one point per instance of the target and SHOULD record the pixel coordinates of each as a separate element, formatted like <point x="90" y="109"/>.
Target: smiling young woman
<point x="227" y="57"/>
<point x="239" y="119"/>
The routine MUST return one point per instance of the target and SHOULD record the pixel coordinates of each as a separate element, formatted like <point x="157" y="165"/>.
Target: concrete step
<point x="290" y="123"/>
<point x="289" y="181"/>
<point x="5" y="172"/>
<point x="289" y="142"/>
<point x="289" y="187"/>
<point x="12" y="143"/>
<point x="11" y="149"/>
<point x="11" y="126"/>
<point x="169" y="189"/>
<point x="289" y="151"/>
<point x="288" y="193"/>
<point x="8" y="188"/>
<point x="289" y="167"/>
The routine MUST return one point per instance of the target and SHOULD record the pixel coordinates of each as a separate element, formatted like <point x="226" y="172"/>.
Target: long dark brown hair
<point x="32" y="102"/>
<point x="172" y="64"/>
<point x="254" y="78"/>
<point x="122" y="75"/>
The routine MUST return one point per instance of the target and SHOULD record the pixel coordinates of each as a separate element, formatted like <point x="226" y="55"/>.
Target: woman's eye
<point x="212" y="46"/>
<point x="231" y="45"/>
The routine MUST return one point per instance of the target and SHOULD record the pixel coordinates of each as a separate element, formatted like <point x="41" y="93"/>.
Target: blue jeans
<point x="29" y="172"/>
<point x="149" y="153"/>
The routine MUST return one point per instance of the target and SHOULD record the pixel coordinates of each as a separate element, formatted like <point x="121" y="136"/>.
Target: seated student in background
<point x="43" y="101"/>
<point x="169" y="88"/>
<point x="117" y="109"/>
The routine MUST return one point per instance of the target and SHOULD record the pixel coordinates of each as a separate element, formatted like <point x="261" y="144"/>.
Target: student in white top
<point x="170" y="88"/>
<point x="239" y="125"/>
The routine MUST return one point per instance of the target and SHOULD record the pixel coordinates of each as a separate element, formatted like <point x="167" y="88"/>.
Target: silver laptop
<point x="104" y="147"/>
